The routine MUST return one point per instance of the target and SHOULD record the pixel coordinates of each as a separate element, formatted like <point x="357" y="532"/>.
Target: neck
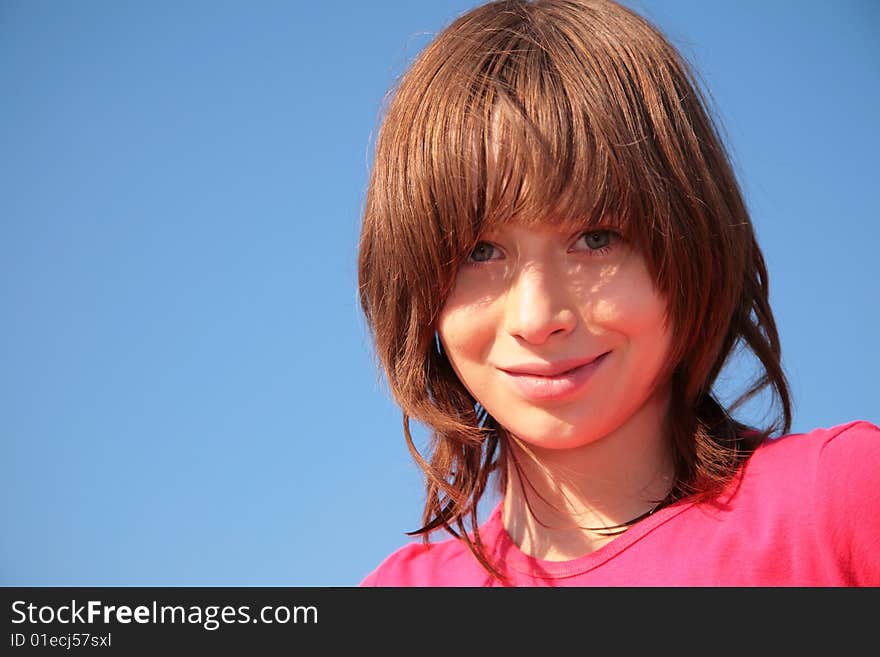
<point x="562" y="504"/>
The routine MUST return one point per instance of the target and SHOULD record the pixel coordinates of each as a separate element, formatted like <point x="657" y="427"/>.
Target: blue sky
<point x="187" y="391"/>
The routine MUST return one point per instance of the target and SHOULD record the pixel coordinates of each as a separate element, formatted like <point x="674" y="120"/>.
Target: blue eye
<point x="482" y="252"/>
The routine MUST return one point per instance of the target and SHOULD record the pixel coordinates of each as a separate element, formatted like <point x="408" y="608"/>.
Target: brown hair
<point x="567" y="111"/>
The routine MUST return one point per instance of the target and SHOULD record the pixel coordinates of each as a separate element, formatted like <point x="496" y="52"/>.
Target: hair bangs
<point x="533" y="143"/>
<point x="543" y="166"/>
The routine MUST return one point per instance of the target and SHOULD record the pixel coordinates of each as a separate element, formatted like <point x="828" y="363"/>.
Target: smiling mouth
<point x="558" y="386"/>
<point x="551" y="371"/>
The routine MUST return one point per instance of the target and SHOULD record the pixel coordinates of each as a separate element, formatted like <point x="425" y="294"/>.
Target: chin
<point x="555" y="435"/>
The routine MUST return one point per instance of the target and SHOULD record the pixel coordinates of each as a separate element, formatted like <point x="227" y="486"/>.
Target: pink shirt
<point x="805" y="512"/>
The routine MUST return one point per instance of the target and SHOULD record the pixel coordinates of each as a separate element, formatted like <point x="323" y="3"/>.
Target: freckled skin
<point x="546" y="295"/>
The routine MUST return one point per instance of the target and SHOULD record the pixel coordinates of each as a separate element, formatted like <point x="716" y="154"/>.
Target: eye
<point x="598" y="240"/>
<point x="483" y="252"/>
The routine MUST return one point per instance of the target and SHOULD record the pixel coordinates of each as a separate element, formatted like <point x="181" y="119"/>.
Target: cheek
<point x="630" y="309"/>
<point x="465" y="333"/>
<point x="467" y="337"/>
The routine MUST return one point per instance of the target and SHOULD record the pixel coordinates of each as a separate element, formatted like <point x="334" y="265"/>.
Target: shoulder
<point x="848" y="483"/>
<point x="444" y="563"/>
<point x="829" y="480"/>
<point x="448" y="562"/>
<point x="830" y="449"/>
<point x="856" y="444"/>
<point x="393" y="569"/>
<point x="836" y="463"/>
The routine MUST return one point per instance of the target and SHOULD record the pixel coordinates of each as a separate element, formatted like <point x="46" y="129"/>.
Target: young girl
<point x="555" y="263"/>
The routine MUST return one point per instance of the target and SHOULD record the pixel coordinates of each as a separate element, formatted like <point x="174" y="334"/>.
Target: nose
<point x="539" y="306"/>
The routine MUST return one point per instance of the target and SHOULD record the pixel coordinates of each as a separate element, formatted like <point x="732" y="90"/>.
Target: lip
<point x="553" y="381"/>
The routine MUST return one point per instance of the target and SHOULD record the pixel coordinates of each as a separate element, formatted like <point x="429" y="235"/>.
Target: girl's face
<point x="558" y="334"/>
